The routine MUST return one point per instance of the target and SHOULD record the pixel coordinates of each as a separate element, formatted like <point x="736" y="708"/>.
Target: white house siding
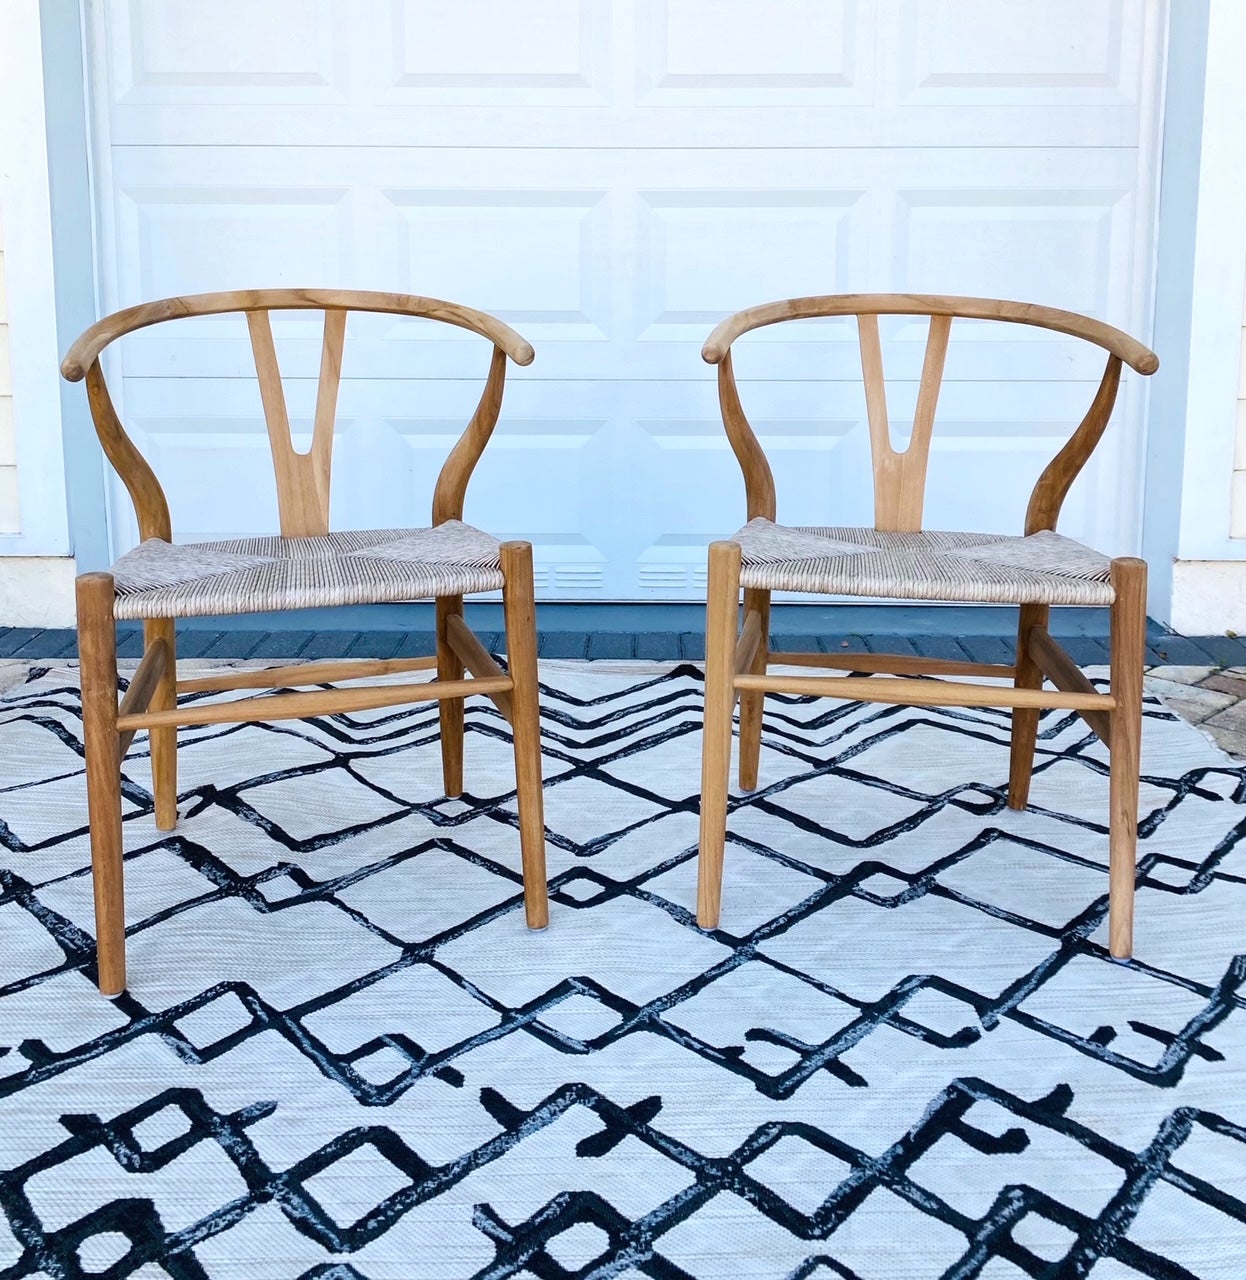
<point x="36" y="570"/>
<point x="1237" y="524"/>
<point x="1209" y="573"/>
<point x="9" y="510"/>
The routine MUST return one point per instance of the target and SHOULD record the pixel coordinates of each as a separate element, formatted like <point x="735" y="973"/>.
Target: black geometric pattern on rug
<point x="905" y="1053"/>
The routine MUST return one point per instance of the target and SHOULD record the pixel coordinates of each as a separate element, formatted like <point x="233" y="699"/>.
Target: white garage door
<point x="612" y="177"/>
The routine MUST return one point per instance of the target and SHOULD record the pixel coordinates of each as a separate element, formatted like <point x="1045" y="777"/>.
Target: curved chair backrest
<point x="900" y="478"/>
<point x="302" y="478"/>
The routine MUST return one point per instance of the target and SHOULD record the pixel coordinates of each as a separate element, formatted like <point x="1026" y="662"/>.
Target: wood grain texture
<point x="900" y="477"/>
<point x="1065" y="674"/>
<point x="298" y="674"/>
<point x="143" y="684"/>
<point x="924" y="693"/>
<point x="519" y="607"/>
<point x="752" y="705"/>
<point x="97" y="653"/>
<point x="302" y="478"/>
<point x="721" y="622"/>
<point x="319" y="702"/>
<point x="150" y="505"/>
<point x="450" y="492"/>
<point x="758" y="478"/>
<point x="477" y="659"/>
<point x="87" y="347"/>
<point x="1024" y="736"/>
<point x="1057" y="478"/>
<point x="450" y="711"/>
<point x="1128" y="658"/>
<point x="748" y="642"/>
<point x="163" y="742"/>
<point x="321" y="452"/>
<point x="1120" y="344"/>
<point x="897" y="664"/>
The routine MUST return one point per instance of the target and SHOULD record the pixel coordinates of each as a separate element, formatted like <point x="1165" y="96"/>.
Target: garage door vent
<point x="663" y="577"/>
<point x="578" y="577"/>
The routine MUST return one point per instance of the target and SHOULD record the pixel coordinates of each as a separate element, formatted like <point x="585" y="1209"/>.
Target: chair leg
<point x="1025" y="719"/>
<point x="751" y="703"/>
<point x="97" y="650"/>
<point x="721" y="628"/>
<point x="450" y="710"/>
<point x="519" y="606"/>
<point x="1128" y="658"/>
<point x="164" y="741"/>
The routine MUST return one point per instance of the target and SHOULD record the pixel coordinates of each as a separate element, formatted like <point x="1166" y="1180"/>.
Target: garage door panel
<point x="493" y="53"/>
<point x="701" y="252"/>
<point x="612" y="178"/>
<point x="702" y="53"/>
<point x="195" y="239"/>
<point x="1011" y="243"/>
<point x="981" y="52"/>
<point x="617" y="265"/>
<point x="547" y="268"/>
<point x="640" y="73"/>
<point x="183" y="52"/>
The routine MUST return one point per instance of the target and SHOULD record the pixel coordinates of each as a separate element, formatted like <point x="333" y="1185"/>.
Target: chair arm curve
<point x="84" y="351"/>
<point x="1139" y="357"/>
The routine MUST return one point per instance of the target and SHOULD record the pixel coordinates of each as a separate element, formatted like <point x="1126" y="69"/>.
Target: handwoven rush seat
<point x="161" y="580"/>
<point x="978" y="568"/>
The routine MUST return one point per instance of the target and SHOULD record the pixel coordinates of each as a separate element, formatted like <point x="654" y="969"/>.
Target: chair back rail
<point x="302" y="479"/>
<point x="900" y="476"/>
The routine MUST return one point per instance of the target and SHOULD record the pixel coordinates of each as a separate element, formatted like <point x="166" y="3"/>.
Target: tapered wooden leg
<point x="1128" y="659"/>
<point x="164" y="740"/>
<point x="751" y="703"/>
<point x="97" y="651"/>
<point x="519" y="606"/>
<point x="1025" y="719"/>
<point x="721" y="626"/>
<point x="450" y="710"/>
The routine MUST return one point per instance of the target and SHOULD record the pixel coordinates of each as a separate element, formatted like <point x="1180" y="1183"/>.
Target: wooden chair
<point x="897" y="559"/>
<point x="305" y="567"/>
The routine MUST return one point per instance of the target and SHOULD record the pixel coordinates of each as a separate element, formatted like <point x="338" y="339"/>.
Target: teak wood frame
<point x="151" y="701"/>
<point x="737" y="657"/>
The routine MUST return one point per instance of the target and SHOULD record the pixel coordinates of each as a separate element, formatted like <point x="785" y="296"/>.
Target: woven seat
<point x="160" y="580"/>
<point x="977" y="568"/>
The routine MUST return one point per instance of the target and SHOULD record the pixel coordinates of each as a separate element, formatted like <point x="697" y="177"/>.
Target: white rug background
<point x="905" y="1053"/>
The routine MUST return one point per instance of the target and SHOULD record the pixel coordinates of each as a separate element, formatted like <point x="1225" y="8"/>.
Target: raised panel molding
<point x="1057" y="247"/>
<point x="478" y="49"/>
<point x="774" y="53"/>
<point x="537" y="259"/>
<point x="201" y="239"/>
<point x="704" y="254"/>
<point x="189" y="51"/>
<point x="984" y="51"/>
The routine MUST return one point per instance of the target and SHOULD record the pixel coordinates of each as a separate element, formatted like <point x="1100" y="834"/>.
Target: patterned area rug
<point x="905" y="1054"/>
